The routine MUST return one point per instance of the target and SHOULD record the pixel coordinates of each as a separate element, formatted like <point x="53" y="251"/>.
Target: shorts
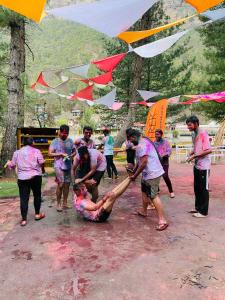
<point x="150" y="187"/>
<point x="98" y="176"/>
<point x="62" y="176"/>
<point x="103" y="216"/>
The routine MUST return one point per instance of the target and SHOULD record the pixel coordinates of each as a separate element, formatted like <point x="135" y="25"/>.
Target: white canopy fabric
<point x="159" y="46"/>
<point x="108" y="99"/>
<point x="215" y="15"/>
<point x="147" y="94"/>
<point x="80" y="70"/>
<point x="110" y="17"/>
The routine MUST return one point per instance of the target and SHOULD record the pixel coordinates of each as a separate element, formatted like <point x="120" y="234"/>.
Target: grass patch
<point x="9" y="189"/>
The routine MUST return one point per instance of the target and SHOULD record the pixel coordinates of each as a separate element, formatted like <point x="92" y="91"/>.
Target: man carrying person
<point x="62" y="149"/>
<point x="148" y="163"/>
<point x="95" y="165"/>
<point x="97" y="212"/>
<point x="200" y="154"/>
<point x="164" y="149"/>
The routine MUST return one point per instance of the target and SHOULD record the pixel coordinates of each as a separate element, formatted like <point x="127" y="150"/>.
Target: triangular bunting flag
<point x="202" y="5"/>
<point x="109" y="63"/>
<point x="134" y="36"/>
<point x="147" y="94"/>
<point x="84" y="94"/>
<point x="80" y="70"/>
<point x="215" y="15"/>
<point x="41" y="81"/>
<point x="159" y="46"/>
<point x="174" y="100"/>
<point x="101" y="80"/>
<point x="117" y="105"/>
<point x="32" y="9"/>
<point x="107" y="16"/>
<point x="108" y="99"/>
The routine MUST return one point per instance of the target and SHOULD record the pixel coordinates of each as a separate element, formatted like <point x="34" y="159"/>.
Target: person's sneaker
<point x="116" y="177"/>
<point x="198" y="215"/>
<point x="172" y="195"/>
<point x="108" y="178"/>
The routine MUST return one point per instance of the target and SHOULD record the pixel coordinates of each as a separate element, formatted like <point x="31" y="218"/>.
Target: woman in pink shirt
<point x="29" y="163"/>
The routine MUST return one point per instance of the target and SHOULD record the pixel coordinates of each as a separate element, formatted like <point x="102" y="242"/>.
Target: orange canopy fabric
<point x="202" y="5"/>
<point x="134" y="36"/>
<point x="32" y="9"/>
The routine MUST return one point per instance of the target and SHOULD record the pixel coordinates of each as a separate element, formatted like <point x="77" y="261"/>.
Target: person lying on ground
<point x="97" y="212"/>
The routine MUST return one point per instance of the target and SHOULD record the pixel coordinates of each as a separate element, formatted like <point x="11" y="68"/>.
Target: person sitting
<point x="97" y="212"/>
<point x="92" y="165"/>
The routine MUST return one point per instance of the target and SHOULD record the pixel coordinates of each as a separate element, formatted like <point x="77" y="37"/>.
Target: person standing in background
<point x="30" y="164"/>
<point x="62" y="149"/>
<point x="108" y="143"/>
<point x="200" y="155"/>
<point x="130" y="150"/>
<point x="86" y="139"/>
<point x="164" y="150"/>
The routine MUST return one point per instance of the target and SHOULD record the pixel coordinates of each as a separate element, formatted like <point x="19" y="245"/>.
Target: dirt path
<point x="64" y="257"/>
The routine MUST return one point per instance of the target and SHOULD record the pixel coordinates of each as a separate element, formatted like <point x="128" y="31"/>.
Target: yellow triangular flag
<point x="32" y="9"/>
<point x="202" y="5"/>
<point x="134" y="36"/>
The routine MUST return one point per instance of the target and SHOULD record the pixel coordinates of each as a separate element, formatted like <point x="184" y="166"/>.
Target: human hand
<point x="190" y="158"/>
<point x="132" y="177"/>
<point x="78" y="180"/>
<point x="63" y="154"/>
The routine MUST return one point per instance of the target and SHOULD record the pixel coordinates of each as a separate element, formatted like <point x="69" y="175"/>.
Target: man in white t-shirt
<point x="96" y="163"/>
<point x="148" y="163"/>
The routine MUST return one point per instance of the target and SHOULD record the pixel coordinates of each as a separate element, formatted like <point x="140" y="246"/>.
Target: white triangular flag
<point x="147" y="94"/>
<point x="108" y="99"/>
<point x="80" y="70"/>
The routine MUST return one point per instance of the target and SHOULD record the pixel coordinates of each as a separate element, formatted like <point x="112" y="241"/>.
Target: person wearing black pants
<point x="25" y="186"/>
<point x="164" y="150"/>
<point x="200" y="155"/>
<point x="30" y="165"/>
<point x="111" y="168"/>
<point x="108" y="143"/>
<point x="201" y="191"/>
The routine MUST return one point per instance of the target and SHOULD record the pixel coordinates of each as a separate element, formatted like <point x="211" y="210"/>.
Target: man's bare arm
<point x="141" y="166"/>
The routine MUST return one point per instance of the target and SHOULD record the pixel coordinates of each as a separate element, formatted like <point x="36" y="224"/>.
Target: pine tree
<point x="15" y="86"/>
<point x="158" y="73"/>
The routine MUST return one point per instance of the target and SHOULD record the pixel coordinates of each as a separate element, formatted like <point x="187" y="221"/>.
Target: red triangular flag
<point x="84" y="94"/>
<point x="109" y="63"/>
<point x="40" y="80"/>
<point x="101" y="79"/>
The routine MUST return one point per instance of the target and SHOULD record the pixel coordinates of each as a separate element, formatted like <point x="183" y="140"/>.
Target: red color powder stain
<point x="80" y="241"/>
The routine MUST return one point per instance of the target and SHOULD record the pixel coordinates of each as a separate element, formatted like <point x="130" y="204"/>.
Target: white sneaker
<point x="198" y="215"/>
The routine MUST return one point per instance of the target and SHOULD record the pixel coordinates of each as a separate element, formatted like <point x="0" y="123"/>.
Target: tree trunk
<point x="15" y="85"/>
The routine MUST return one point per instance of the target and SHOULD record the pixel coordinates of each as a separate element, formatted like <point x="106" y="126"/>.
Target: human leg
<point x="201" y="191"/>
<point x="66" y="187"/>
<point x="114" y="170"/>
<point x="167" y="179"/>
<point x="116" y="192"/>
<point x="24" y="192"/>
<point x="108" y="161"/>
<point x="36" y="189"/>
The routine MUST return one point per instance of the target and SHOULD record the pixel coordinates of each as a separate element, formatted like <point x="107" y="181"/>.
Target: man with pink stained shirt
<point x="200" y="154"/>
<point x="29" y="163"/>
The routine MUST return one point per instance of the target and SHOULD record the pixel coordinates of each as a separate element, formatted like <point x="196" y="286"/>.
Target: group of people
<point x="82" y="161"/>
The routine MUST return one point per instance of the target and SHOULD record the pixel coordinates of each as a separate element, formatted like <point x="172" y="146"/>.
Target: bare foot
<point x="66" y="206"/>
<point x="59" y="208"/>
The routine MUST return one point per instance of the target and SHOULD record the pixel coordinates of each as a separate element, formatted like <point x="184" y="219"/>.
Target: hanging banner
<point x="159" y="46"/>
<point x="32" y="9"/>
<point x="202" y="5"/>
<point x="134" y="36"/>
<point x="107" y="16"/>
<point x="156" y="118"/>
<point x="109" y="63"/>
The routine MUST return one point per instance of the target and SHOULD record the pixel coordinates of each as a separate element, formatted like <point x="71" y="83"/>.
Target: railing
<point x="181" y="153"/>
